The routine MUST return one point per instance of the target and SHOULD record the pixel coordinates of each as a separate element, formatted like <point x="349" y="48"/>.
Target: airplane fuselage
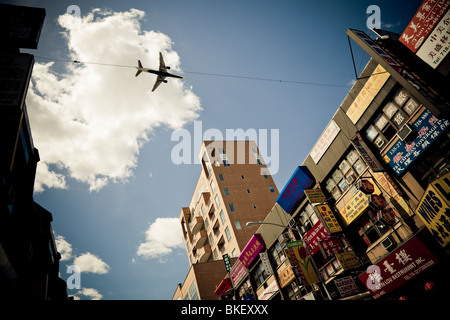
<point x="159" y="73"/>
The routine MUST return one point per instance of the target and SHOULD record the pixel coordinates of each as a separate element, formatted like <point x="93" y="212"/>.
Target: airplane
<point x="162" y="73"/>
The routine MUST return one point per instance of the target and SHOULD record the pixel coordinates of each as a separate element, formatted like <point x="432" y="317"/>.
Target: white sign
<point x="437" y="45"/>
<point x="324" y="141"/>
<point x="269" y="291"/>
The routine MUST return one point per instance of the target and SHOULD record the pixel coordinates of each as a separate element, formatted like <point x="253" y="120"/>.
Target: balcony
<point x="203" y="253"/>
<point x="200" y="238"/>
<point x="196" y="224"/>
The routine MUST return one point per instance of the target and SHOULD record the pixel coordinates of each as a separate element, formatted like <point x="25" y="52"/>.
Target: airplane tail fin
<point x="139" y="66"/>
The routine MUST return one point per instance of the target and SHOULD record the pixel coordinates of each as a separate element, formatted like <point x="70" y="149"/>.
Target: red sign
<point x="224" y="287"/>
<point x="402" y="265"/>
<point x="387" y="215"/>
<point x="313" y="236"/>
<point x="377" y="201"/>
<point x="423" y="22"/>
<point x="331" y="247"/>
<point x="365" y="186"/>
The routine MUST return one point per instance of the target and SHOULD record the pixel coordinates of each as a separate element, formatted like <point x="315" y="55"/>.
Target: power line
<point x="205" y="73"/>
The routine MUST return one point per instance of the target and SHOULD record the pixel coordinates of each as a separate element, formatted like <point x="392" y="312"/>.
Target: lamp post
<point x="254" y="223"/>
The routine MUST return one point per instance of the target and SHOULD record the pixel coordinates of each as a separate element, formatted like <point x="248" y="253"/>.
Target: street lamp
<point x="254" y="223"/>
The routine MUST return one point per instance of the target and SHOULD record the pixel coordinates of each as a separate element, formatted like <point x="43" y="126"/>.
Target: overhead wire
<point x="203" y="73"/>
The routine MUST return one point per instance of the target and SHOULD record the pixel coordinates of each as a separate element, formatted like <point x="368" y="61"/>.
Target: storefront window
<point x="259" y="274"/>
<point x="277" y="253"/>
<point x="371" y="229"/>
<point x="391" y="119"/>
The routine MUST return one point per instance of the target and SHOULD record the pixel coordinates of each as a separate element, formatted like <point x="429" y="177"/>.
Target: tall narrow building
<point x="234" y="187"/>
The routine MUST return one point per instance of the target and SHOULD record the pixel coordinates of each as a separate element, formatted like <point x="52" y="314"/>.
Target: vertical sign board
<point x="297" y="184"/>
<point x="437" y="45"/>
<point x="368" y="156"/>
<point x="401" y="154"/>
<point x="402" y="265"/>
<point x="298" y="256"/>
<point x="434" y="209"/>
<point x="329" y="218"/>
<point x="237" y="273"/>
<point x="423" y="22"/>
<point x="314" y="236"/>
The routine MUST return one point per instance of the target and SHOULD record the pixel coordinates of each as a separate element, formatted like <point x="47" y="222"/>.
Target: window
<point x="266" y="176"/>
<point x="277" y="253"/>
<point x="259" y="274"/>
<point x="234" y="253"/>
<point x="343" y="177"/>
<point x="211" y="239"/>
<point x="232" y="209"/>
<point x="271" y="189"/>
<point x="226" y="192"/>
<point x="213" y="186"/>
<point x="221" y="178"/>
<point x="216" y="256"/>
<point x="371" y="230"/>
<point x="217" y="199"/>
<point x="237" y="224"/>
<point x="254" y="206"/>
<point x="224" y="157"/>
<point x="255" y="153"/>
<point x="391" y="118"/>
<point x="193" y="293"/>
<point x="242" y="177"/>
<point x="248" y="190"/>
<point x="222" y="216"/>
<point x="228" y="234"/>
<point x="308" y="217"/>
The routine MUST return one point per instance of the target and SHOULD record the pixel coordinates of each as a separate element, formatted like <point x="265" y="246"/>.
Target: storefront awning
<point x="224" y="287"/>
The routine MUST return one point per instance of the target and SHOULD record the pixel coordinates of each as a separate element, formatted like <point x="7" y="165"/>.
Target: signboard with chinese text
<point x="313" y="236"/>
<point x="400" y="266"/>
<point x="285" y="276"/>
<point x="423" y="22"/>
<point x="251" y="250"/>
<point x="226" y="260"/>
<point x="325" y="140"/>
<point x="268" y="292"/>
<point x="346" y="286"/>
<point x="355" y="207"/>
<point x="331" y="247"/>
<point x="368" y="93"/>
<point x="401" y="155"/>
<point x="266" y="263"/>
<point x="437" y="45"/>
<point x="348" y="260"/>
<point x="224" y="287"/>
<point x="329" y="218"/>
<point x="315" y="196"/>
<point x="238" y="272"/>
<point x="434" y="209"/>
<point x="365" y="153"/>
<point x="298" y="256"/>
<point x="297" y="184"/>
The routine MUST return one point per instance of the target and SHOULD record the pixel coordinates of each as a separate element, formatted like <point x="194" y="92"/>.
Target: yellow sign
<point x="329" y="218"/>
<point x="285" y="276"/>
<point x="355" y="207"/>
<point x="368" y="93"/>
<point x="434" y="209"/>
<point x="348" y="260"/>
<point x="298" y="255"/>
<point x="315" y="195"/>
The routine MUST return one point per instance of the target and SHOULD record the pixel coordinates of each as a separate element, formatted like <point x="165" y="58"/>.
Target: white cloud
<point x="88" y="262"/>
<point x="90" y="122"/>
<point x="64" y="248"/>
<point x="161" y="237"/>
<point x="91" y="293"/>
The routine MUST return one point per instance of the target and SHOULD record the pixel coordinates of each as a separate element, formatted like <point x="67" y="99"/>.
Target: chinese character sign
<point x="423" y="22"/>
<point x="298" y="255"/>
<point x="402" y="265"/>
<point x="437" y="45"/>
<point x="300" y="180"/>
<point x="401" y="155"/>
<point x="329" y="218"/>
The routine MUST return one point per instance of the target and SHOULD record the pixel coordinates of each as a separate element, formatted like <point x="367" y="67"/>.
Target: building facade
<point x="233" y="188"/>
<point x="29" y="258"/>
<point x="366" y="215"/>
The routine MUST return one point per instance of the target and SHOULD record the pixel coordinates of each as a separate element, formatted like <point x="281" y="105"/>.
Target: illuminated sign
<point x="300" y="180"/>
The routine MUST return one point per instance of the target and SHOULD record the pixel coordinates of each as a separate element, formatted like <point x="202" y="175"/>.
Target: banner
<point x="298" y="256"/>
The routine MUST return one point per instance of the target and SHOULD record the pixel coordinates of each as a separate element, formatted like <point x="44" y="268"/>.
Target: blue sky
<point x="105" y="202"/>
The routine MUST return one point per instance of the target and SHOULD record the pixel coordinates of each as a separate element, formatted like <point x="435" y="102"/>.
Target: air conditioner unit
<point x="389" y="243"/>
<point x="405" y="133"/>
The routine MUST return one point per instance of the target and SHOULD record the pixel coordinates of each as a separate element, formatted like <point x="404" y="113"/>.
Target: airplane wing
<point x="159" y="80"/>
<point x="162" y="65"/>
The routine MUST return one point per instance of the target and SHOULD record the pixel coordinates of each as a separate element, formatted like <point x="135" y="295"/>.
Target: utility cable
<point x="204" y="73"/>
